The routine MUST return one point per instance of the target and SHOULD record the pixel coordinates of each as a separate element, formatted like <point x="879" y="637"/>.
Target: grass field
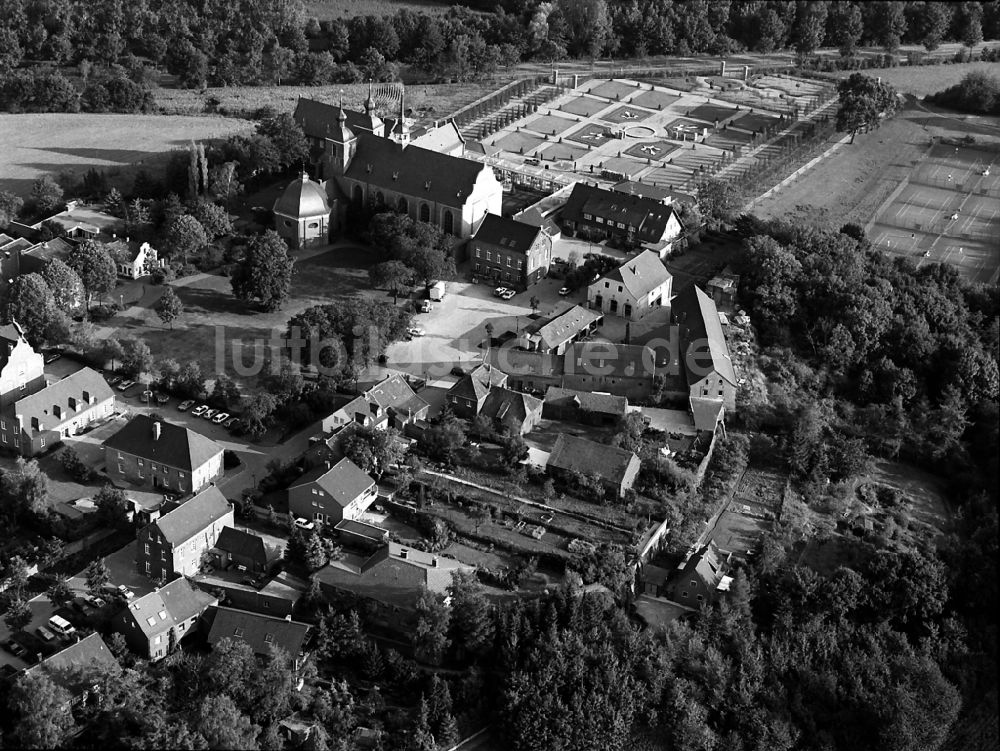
<point x="428" y="101"/>
<point x="921" y="80"/>
<point x="330" y="9"/>
<point x="32" y="145"/>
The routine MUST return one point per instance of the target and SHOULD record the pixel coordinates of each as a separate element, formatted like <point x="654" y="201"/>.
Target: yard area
<point x="38" y="144"/>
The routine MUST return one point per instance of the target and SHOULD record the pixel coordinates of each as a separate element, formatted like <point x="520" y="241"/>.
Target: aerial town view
<point x="499" y="375"/>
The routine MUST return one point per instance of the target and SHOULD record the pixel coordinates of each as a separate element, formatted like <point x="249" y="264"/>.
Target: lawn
<point x="921" y="80"/>
<point x="429" y="102"/>
<point x="52" y="143"/>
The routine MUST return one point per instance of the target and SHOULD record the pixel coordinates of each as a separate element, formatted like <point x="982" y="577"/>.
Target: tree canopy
<point x="864" y="102"/>
<point x="265" y="274"/>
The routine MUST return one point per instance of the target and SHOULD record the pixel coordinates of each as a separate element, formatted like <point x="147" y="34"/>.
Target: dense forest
<point x="58" y="55"/>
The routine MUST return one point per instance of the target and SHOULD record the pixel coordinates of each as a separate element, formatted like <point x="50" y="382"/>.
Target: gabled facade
<point x="134" y="259"/>
<point x="555" y="335"/>
<point x="241" y="549"/>
<point x="175" y="543"/>
<point x="466" y="397"/>
<point x="390" y="403"/>
<point x="511" y="252"/>
<point x="262" y="633"/>
<point x="22" y="370"/>
<point x="331" y="493"/>
<point x="147" y="621"/>
<point x="159" y="454"/>
<point x="633" y="289"/>
<point x="699" y="577"/>
<point x="512" y="412"/>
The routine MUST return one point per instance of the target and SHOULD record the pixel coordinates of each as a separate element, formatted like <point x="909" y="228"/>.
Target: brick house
<point x="159" y="454"/>
<point x="708" y="366"/>
<point x="512" y="412"/>
<point x="467" y="396"/>
<point x="390" y="403"/>
<point x="616" y="468"/>
<point x="174" y="543"/>
<point x="601" y="214"/>
<point x="241" y="549"/>
<point x="331" y="493"/>
<point x="633" y="289"/>
<point x="700" y="578"/>
<point x="147" y="621"/>
<point x="510" y="252"/>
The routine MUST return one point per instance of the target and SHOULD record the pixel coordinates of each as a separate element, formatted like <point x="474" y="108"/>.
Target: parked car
<point x="45" y="633"/>
<point x="499" y="291"/>
<point x="94" y="601"/>
<point x="304" y="523"/>
<point x="185" y="405"/>
<point x="426" y="306"/>
<point x="199" y="410"/>
<point x="15" y="648"/>
<point x="209" y="414"/>
<point x="112" y="379"/>
<point x="563" y="291"/>
<point x="125" y="592"/>
<point x="233" y="423"/>
<point x="52" y="357"/>
<point x="126" y="385"/>
<point x="508" y="293"/>
<point x="415" y="331"/>
<point x="161" y="398"/>
<point x="220" y="418"/>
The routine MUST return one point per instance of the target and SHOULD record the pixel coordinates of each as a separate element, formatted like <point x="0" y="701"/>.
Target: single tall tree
<point x="97" y="575"/>
<point x="864" y="101"/>
<point x="96" y="268"/>
<point x="65" y="284"/>
<point x="185" y="236"/>
<point x="265" y="275"/>
<point x="169" y="306"/>
<point x="32" y="305"/>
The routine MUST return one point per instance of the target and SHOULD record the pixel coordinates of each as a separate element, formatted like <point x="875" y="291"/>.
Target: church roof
<point x="302" y="198"/>
<point x="413" y="171"/>
<point x="320" y="120"/>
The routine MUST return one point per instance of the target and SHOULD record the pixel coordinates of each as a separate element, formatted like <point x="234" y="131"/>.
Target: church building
<point x="360" y="160"/>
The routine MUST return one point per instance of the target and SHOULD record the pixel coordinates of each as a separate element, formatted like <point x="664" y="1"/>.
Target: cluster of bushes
<point x="978" y="92"/>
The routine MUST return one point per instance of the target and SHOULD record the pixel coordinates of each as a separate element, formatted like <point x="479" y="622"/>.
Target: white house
<point x="633" y="289"/>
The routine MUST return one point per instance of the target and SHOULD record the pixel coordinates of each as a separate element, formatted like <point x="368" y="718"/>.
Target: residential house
<point x="365" y="161"/>
<point x="467" y="396"/>
<point x="391" y="403"/>
<point x="35" y="422"/>
<point x="147" y="621"/>
<point x="584" y="406"/>
<point x="620" y="369"/>
<point x="601" y="214"/>
<point x="633" y="289"/>
<point x="556" y="334"/>
<point x="708" y="366"/>
<point x="241" y="549"/>
<point x="175" y="543"/>
<point x="531" y="372"/>
<point x="262" y="633"/>
<point x="616" y="468"/>
<point x="77" y="667"/>
<point x="133" y="259"/>
<point x="392" y="578"/>
<point x="22" y="369"/>
<point x="512" y="412"/>
<point x="700" y="578"/>
<point x="511" y="252"/>
<point x="82" y="221"/>
<point x="155" y="453"/>
<point x="278" y="597"/>
<point x="331" y="493"/>
<point x="36" y="258"/>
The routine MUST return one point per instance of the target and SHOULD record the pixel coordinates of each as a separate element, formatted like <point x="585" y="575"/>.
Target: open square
<point x="712" y="112"/>
<point x="613" y="90"/>
<point x="654" y="100"/>
<point x="550" y="125"/>
<point x="652" y="150"/>
<point x="625" y="115"/>
<point x="519" y="142"/>
<point x="592" y="135"/>
<point x="584" y="105"/>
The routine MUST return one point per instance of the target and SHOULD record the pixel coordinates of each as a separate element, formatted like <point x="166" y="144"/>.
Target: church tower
<point x="401" y="132"/>
<point x="371" y="122"/>
<point x="342" y="144"/>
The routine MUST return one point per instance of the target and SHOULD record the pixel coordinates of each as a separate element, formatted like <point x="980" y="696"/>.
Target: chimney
<point x="156" y="430"/>
<point x="434" y="561"/>
<point x="288" y="617"/>
<point x="327" y="463"/>
<point x="402" y="553"/>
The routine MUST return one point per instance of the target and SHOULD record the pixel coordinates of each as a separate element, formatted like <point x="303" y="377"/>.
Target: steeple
<point x="370" y="101"/>
<point x="404" y="130"/>
<point x="344" y="143"/>
<point x="371" y="122"/>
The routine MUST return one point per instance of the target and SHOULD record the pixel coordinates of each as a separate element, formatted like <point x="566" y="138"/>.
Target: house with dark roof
<point x="261" y="632"/>
<point x="511" y="412"/>
<point x="331" y="493"/>
<point x="35" y="421"/>
<point x="646" y="190"/>
<point x="150" y="452"/>
<point x="366" y="161"/>
<point x="36" y="258"/>
<point x="708" y="366"/>
<point x="598" y="213"/>
<point x="391" y="403"/>
<point x="553" y="336"/>
<point x="147" y="621"/>
<point x="302" y="213"/>
<point x="511" y="252"/>
<point x="392" y="578"/>
<point x="175" y="543"/>
<point x="466" y="397"/>
<point x="619" y="369"/>
<point x="278" y="597"/>
<point x="615" y="467"/>
<point x="638" y="286"/>
<point x="588" y="407"/>
<point x="700" y="578"/>
<point x="76" y="667"/>
<point x="240" y="549"/>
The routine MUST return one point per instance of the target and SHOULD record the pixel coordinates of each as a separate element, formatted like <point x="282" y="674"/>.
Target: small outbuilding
<point x="302" y="213"/>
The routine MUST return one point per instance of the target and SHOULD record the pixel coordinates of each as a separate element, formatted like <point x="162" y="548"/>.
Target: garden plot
<point x="655" y="100"/>
<point x="519" y="142"/>
<point x="711" y="113"/>
<point x="563" y="151"/>
<point x="584" y="106"/>
<point x="755" y="121"/>
<point x="615" y="90"/>
<point x="591" y="135"/>
<point x="759" y="491"/>
<point x="625" y="115"/>
<point x="550" y="124"/>
<point x="658" y="150"/>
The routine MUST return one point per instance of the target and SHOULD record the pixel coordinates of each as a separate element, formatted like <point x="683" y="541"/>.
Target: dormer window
<point x="395" y="175"/>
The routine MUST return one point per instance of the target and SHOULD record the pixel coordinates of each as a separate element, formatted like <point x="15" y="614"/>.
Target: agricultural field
<point x="36" y="144"/>
<point x="921" y="80"/>
<point x="325" y="10"/>
<point x="429" y="102"/>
